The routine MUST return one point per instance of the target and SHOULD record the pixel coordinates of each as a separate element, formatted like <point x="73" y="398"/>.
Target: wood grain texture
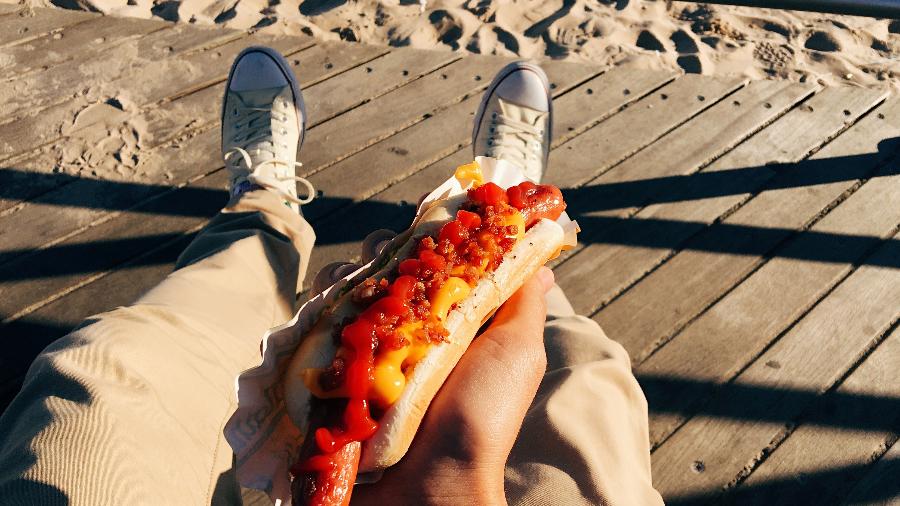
<point x="618" y="256"/>
<point x="739" y="326"/>
<point x="733" y="431"/>
<point x="91" y="37"/>
<point x="837" y="442"/>
<point x="25" y="24"/>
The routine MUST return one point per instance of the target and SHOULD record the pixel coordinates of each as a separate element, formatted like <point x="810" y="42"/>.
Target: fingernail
<point x="547" y="278"/>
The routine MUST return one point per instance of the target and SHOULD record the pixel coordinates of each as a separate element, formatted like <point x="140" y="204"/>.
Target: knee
<point x="574" y="340"/>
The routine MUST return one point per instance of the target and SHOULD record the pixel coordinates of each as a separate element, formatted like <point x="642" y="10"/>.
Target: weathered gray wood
<point x="38" y="126"/>
<point x="880" y="485"/>
<point x="199" y="109"/>
<point x="353" y="180"/>
<point x="681" y="152"/>
<point x="131" y="82"/>
<point x="576" y="162"/>
<point x="22" y="295"/>
<point x="705" y="269"/>
<point x="834" y="446"/>
<point x="738" y="328"/>
<point x="166" y="164"/>
<point x="51" y="221"/>
<point x="617" y="257"/>
<point x="574" y="112"/>
<point x="375" y="78"/>
<point x="30" y="23"/>
<point x="341" y="137"/>
<point x="739" y="424"/>
<point x="169" y="121"/>
<point x="82" y="40"/>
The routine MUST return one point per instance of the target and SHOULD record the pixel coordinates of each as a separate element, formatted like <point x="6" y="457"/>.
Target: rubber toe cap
<point x="257" y="70"/>
<point x="525" y="88"/>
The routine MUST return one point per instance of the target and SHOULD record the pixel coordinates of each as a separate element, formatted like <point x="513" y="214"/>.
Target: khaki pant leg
<point x="129" y="408"/>
<point x="585" y="439"/>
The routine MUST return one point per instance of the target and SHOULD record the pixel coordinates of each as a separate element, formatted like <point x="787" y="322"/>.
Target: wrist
<point x="443" y="482"/>
<point x="451" y="483"/>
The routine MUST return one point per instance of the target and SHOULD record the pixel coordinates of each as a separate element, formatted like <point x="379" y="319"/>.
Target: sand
<point x="699" y="38"/>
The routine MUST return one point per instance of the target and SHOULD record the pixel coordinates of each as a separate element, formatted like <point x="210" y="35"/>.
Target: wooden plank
<point x="90" y="38"/>
<point x="680" y="152"/>
<point x="880" y="485"/>
<point x="375" y="78"/>
<point x="575" y="111"/>
<point x="39" y="126"/>
<point x="722" y="255"/>
<point x="738" y="426"/>
<point x="164" y="123"/>
<point x="835" y="444"/>
<point x="201" y="108"/>
<point x="341" y="137"/>
<point x="738" y="327"/>
<point x="576" y="162"/>
<point x="53" y="216"/>
<point x="30" y="23"/>
<point x="353" y="180"/>
<point x="621" y="254"/>
<point x="121" y="72"/>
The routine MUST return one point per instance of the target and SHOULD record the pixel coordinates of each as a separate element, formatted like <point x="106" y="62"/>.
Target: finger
<point x="330" y="274"/>
<point x="374" y="243"/>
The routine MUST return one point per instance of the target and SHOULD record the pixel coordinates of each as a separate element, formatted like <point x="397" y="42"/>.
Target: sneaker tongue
<point x="520" y="112"/>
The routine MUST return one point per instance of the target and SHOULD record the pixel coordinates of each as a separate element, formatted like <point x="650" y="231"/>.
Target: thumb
<point x="494" y="383"/>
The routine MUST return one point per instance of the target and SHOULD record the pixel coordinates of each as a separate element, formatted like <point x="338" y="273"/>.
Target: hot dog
<point x="361" y="380"/>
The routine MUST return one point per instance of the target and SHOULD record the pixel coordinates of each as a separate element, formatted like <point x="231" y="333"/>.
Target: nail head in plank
<point x="78" y="41"/>
<point x="576" y="162"/>
<point x="719" y="257"/>
<point x="834" y="446"/>
<point x="620" y="255"/>
<point x="811" y="357"/>
<point x="30" y="23"/>
<point x="737" y="328"/>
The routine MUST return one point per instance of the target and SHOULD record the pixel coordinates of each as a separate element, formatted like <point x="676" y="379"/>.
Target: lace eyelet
<point x="494" y="115"/>
<point x="490" y="142"/>
<point x="234" y="111"/>
<point x="283" y="131"/>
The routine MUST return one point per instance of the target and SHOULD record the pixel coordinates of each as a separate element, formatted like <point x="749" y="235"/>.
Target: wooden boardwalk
<point x="740" y="238"/>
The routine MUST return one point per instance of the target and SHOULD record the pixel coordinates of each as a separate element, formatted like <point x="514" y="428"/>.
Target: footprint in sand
<point x="822" y="41"/>
<point x="688" y="52"/>
<point x="646" y="40"/>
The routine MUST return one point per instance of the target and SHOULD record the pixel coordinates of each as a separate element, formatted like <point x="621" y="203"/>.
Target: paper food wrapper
<point x="260" y="432"/>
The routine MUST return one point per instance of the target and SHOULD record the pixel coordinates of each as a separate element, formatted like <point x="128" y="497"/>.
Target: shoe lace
<point x="509" y="136"/>
<point x="273" y="181"/>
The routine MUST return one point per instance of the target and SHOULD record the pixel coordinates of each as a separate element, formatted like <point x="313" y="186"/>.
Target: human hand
<point x="459" y="453"/>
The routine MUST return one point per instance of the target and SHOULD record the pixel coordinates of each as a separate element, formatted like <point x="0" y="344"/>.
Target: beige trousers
<point x="129" y="407"/>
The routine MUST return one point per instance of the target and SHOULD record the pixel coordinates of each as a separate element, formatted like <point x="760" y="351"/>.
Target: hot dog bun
<point x="398" y="425"/>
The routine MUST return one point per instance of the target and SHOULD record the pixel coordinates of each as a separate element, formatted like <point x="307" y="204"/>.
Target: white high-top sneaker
<point x="263" y="122"/>
<point x="515" y="119"/>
